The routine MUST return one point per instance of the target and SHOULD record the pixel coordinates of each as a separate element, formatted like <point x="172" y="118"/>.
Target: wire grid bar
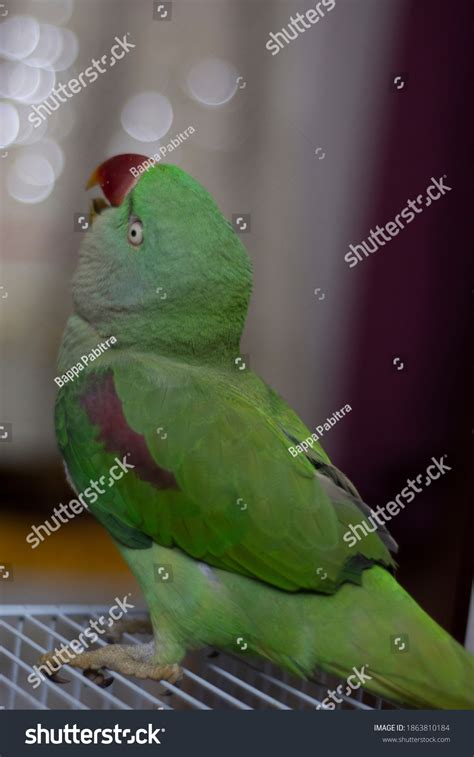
<point x="27" y="631"/>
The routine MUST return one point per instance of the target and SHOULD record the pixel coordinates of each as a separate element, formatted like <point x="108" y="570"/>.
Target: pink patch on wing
<point x="104" y="409"/>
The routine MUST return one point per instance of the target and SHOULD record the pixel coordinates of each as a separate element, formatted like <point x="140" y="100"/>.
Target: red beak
<point x="115" y="178"/>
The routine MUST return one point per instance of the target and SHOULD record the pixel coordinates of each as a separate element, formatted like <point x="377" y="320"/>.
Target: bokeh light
<point x="147" y="117"/>
<point x="49" y="150"/>
<point x="34" y="169"/>
<point x="27" y="133"/>
<point x="9" y="124"/>
<point x="212" y="81"/>
<point x="19" y="36"/>
<point x="48" y="49"/>
<point x="18" y="81"/>
<point x="31" y="178"/>
<point x="69" y="51"/>
<point x="34" y="49"/>
<point x="47" y="80"/>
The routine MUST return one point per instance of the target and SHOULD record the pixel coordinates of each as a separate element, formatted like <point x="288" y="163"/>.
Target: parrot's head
<point x="160" y="267"/>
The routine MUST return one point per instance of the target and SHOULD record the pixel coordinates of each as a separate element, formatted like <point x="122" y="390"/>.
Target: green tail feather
<point x="426" y="668"/>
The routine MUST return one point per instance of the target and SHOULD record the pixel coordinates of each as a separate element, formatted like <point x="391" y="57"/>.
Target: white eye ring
<point x="135" y="233"/>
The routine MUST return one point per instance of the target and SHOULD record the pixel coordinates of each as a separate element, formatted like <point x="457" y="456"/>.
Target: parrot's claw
<point x="135" y="660"/>
<point x="45" y="662"/>
<point x="98" y="677"/>
<point x="129" y="625"/>
<point x="55" y="678"/>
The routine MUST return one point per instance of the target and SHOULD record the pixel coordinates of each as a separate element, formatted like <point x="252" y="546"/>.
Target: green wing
<point x="213" y="475"/>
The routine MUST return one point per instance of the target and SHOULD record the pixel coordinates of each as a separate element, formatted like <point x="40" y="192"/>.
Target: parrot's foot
<point x="128" y="625"/>
<point x="130" y="659"/>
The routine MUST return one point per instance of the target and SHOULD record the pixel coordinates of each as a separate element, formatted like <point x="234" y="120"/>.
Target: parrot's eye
<point x="135" y="232"/>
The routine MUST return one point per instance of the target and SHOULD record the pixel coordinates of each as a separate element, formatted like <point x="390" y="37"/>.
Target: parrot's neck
<point x="215" y="344"/>
<point x="79" y="338"/>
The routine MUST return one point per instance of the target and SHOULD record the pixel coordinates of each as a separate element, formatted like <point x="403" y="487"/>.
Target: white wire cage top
<point x="212" y="680"/>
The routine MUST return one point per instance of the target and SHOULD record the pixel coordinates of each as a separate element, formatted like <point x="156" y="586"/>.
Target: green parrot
<point x="233" y="540"/>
